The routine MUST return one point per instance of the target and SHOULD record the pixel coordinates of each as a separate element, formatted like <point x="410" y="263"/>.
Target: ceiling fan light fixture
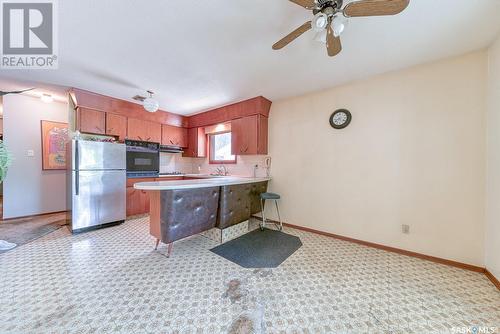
<point x="338" y="24"/>
<point x="150" y="104"/>
<point x="320" y="22"/>
<point x="47" y="98"/>
<point x="320" y="37"/>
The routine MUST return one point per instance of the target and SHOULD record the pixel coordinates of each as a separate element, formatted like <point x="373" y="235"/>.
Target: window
<point x="220" y="148"/>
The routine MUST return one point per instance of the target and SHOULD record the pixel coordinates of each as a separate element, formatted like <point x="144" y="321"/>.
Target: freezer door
<point x="89" y="155"/>
<point x="98" y="198"/>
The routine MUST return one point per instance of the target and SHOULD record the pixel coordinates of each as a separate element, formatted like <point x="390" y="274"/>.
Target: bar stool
<point x="274" y="197"/>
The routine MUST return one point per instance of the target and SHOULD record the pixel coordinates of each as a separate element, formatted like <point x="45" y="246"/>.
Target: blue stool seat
<point x="264" y="197"/>
<point x="269" y="196"/>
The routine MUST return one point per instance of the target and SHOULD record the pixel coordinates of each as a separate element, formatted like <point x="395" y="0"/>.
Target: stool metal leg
<point x="279" y="217"/>
<point x="263" y="224"/>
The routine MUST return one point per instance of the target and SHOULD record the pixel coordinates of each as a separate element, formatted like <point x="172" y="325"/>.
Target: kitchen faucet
<point x="222" y="171"/>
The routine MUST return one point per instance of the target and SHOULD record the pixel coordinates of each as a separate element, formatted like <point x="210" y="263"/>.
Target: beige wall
<point x="414" y="154"/>
<point x="29" y="190"/>
<point x="492" y="251"/>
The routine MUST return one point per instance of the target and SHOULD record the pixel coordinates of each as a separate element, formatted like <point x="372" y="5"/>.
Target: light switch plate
<point x="406" y="229"/>
<point x="30" y="153"/>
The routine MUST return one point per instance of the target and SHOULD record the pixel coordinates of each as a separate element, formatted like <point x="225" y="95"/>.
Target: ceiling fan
<point x="330" y="19"/>
<point x="2" y="93"/>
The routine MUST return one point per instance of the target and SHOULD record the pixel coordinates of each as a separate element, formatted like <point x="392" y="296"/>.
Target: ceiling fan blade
<point x="16" y="91"/>
<point x="375" y="7"/>
<point x="307" y="4"/>
<point x="292" y="36"/>
<point x="21" y="91"/>
<point x="333" y="44"/>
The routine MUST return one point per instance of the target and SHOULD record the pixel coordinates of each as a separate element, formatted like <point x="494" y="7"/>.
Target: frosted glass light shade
<point x="151" y="105"/>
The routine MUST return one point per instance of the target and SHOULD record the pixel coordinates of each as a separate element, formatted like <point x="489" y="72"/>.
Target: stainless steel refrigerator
<point x="96" y="184"/>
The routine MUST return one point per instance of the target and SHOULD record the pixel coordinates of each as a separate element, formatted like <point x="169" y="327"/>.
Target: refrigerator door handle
<point x="77" y="167"/>
<point x="77" y="183"/>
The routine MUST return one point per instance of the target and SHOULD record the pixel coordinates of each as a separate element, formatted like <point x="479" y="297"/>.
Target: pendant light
<point x="150" y="104"/>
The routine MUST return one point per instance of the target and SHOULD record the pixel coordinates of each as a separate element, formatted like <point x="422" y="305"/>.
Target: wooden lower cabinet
<point x="137" y="202"/>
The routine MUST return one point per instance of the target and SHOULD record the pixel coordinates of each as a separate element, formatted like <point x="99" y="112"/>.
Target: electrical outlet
<point x="406" y="229"/>
<point x="30" y="153"/>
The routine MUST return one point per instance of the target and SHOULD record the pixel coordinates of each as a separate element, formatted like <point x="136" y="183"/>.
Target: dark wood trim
<point x="31" y="216"/>
<point x="452" y="263"/>
<point x="94" y="101"/>
<point x="492" y="278"/>
<point x="255" y="106"/>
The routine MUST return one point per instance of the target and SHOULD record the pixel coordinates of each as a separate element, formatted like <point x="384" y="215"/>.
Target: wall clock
<point x="340" y="119"/>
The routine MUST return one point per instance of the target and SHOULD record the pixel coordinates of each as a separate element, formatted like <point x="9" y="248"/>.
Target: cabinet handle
<point x="171" y="142"/>
<point x="139" y="137"/>
<point x="148" y="138"/>
<point x="98" y="129"/>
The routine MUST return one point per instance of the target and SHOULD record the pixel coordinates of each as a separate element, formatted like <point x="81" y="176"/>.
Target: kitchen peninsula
<point x="179" y="209"/>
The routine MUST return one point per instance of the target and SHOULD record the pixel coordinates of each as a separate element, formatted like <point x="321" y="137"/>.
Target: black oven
<point x="143" y="158"/>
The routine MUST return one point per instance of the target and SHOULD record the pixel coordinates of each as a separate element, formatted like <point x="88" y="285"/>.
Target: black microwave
<point x="142" y="157"/>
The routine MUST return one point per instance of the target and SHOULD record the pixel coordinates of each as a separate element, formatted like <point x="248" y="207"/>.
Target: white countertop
<point x="200" y="176"/>
<point x="210" y="181"/>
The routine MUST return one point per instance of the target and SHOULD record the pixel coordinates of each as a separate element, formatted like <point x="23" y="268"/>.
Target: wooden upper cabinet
<point x="136" y="129"/>
<point x="197" y="143"/>
<point x="153" y="132"/>
<point x="116" y="125"/>
<point x="249" y="135"/>
<point x="143" y="130"/>
<point x="172" y="135"/>
<point x="91" y="121"/>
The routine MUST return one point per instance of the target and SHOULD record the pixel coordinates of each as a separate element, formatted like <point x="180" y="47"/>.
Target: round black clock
<point x="340" y="119"/>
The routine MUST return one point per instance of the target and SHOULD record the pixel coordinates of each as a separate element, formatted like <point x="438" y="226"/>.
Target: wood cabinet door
<point x="153" y="132"/>
<point x="181" y="137"/>
<point x="144" y="195"/>
<point x="262" y="141"/>
<point x="116" y="125"/>
<point x="173" y="135"/>
<point x="91" y="121"/>
<point x="244" y="135"/>
<point x="136" y="129"/>
<point x="137" y="202"/>
<point x="202" y="143"/>
<point x="197" y="143"/>
<point x="192" y="149"/>
<point x="133" y="201"/>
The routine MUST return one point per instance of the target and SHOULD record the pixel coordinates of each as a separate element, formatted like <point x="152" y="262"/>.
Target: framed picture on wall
<point x="54" y="139"/>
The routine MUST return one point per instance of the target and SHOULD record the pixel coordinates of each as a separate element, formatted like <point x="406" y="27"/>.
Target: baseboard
<point x="492" y="278"/>
<point x="31" y="216"/>
<point x="389" y="249"/>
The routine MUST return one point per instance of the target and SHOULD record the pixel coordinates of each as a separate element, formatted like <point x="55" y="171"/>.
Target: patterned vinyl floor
<point x="111" y="281"/>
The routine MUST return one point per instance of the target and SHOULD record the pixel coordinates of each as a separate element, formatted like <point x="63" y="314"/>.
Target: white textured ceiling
<point x="201" y="54"/>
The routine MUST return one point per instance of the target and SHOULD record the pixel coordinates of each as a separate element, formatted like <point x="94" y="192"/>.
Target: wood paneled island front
<point x="179" y="209"/>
